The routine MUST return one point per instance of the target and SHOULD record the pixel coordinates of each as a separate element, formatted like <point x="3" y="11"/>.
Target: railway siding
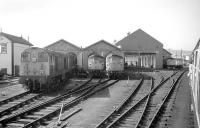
<point x="95" y="109"/>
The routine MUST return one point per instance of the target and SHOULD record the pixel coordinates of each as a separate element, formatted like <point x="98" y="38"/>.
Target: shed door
<point x="16" y="70"/>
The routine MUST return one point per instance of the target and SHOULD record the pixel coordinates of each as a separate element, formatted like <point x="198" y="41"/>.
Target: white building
<point x="10" y="52"/>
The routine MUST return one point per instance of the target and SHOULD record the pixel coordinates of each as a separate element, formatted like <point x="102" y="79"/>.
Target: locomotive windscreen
<point x="26" y="56"/>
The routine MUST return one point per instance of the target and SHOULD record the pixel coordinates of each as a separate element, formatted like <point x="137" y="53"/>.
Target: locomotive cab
<point x="96" y="65"/>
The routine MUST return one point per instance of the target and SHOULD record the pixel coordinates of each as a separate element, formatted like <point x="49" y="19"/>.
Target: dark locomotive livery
<point x="42" y="69"/>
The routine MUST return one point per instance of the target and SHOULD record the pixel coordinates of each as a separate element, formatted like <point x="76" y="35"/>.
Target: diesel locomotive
<point x="96" y="65"/>
<point x="115" y="66"/>
<point x="45" y="70"/>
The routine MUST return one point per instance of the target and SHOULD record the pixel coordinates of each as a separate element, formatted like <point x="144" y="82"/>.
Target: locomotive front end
<point x="34" y="69"/>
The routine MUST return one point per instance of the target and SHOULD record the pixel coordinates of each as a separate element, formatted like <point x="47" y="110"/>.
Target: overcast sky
<point x="175" y="23"/>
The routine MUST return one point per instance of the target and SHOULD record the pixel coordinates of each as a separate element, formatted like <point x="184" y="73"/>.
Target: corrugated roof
<point x="16" y="39"/>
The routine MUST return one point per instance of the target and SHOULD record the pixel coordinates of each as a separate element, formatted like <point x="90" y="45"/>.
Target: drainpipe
<point x="12" y="58"/>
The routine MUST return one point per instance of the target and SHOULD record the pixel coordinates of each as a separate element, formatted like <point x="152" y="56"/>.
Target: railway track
<point x="14" y="103"/>
<point x="143" y="87"/>
<point x="23" y="101"/>
<point x="160" y="117"/>
<point x="33" y="115"/>
<point x="142" y="114"/>
<point x="132" y="116"/>
<point x="156" y="99"/>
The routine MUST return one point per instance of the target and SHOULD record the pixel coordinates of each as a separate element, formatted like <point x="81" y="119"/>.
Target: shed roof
<point x="167" y="51"/>
<point x="62" y="40"/>
<point x="138" y="36"/>
<point x="16" y="39"/>
<point x="102" y="41"/>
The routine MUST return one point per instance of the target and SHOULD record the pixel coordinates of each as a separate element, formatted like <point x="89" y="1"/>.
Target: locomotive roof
<point x="115" y="55"/>
<point x="96" y="55"/>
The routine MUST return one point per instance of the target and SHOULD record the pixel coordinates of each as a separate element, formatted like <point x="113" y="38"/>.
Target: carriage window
<point x="26" y="57"/>
<point x="42" y="57"/>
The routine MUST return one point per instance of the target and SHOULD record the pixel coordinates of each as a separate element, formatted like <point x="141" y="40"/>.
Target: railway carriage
<point x="96" y="65"/>
<point x="44" y="70"/>
<point x="115" y="66"/>
<point x="175" y="63"/>
<point x="194" y="74"/>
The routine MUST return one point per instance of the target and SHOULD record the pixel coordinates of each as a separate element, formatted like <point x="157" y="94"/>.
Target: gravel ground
<point x="96" y="108"/>
<point x="182" y="116"/>
<point x="10" y="91"/>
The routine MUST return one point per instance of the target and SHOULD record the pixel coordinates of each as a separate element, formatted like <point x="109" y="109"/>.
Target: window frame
<point x="4" y="48"/>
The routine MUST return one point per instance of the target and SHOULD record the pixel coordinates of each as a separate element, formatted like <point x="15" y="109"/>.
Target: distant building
<point x="166" y="56"/>
<point x="142" y="50"/>
<point x="10" y="52"/>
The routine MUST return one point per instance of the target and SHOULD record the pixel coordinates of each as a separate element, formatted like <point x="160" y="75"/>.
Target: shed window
<point x="3" y="48"/>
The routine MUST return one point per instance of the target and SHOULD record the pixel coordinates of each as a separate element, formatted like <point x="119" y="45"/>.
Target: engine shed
<point x="142" y="50"/>
<point x="70" y="49"/>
